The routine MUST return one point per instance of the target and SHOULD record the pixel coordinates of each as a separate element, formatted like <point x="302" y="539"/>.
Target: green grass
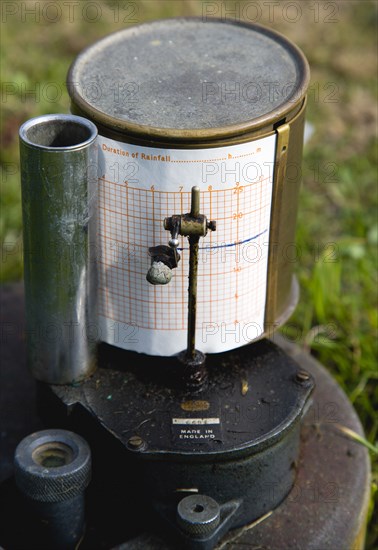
<point x="337" y="225"/>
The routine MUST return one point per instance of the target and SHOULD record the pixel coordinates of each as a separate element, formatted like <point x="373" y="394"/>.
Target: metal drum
<point x="182" y="102"/>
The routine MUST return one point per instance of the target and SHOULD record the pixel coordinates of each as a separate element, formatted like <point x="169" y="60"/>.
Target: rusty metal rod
<point x="193" y="270"/>
<point x="192" y="295"/>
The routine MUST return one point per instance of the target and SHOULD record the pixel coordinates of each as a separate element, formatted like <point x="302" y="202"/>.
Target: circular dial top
<point x="188" y="74"/>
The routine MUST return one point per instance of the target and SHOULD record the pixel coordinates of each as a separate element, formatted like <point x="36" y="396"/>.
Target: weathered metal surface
<point x="192" y="297"/>
<point x="143" y="398"/>
<point x="209" y="79"/>
<point x="325" y="510"/>
<point x="59" y="189"/>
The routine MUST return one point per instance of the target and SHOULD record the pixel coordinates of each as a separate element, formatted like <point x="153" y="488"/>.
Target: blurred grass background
<point x="337" y="235"/>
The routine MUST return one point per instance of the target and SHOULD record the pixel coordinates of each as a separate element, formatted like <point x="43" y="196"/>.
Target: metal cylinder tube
<point x="59" y="188"/>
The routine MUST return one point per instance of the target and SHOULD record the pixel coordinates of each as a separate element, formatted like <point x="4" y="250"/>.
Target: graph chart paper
<point x="138" y="188"/>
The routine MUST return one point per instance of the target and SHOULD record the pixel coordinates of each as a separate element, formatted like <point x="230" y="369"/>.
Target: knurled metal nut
<point x="198" y="515"/>
<point x="52" y="465"/>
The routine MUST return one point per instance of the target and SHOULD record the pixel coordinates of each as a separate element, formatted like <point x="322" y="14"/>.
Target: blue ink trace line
<point x="227" y="245"/>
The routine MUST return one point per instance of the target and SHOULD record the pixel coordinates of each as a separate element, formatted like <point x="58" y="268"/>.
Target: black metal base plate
<point x="252" y="397"/>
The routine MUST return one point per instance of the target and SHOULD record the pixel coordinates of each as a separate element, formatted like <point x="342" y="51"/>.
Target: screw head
<point x="302" y="376"/>
<point x="135" y="442"/>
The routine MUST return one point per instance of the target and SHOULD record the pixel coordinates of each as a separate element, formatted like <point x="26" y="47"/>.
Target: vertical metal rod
<point x="192" y="290"/>
<point x="195" y="203"/>
<point x="59" y="189"/>
<point x="193" y="270"/>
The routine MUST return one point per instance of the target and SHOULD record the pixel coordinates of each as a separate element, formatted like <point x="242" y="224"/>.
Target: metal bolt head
<point x="198" y="515"/>
<point x="302" y="376"/>
<point x="135" y="442"/>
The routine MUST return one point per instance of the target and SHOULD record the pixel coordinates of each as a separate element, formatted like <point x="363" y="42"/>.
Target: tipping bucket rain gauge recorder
<point x="156" y="220"/>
